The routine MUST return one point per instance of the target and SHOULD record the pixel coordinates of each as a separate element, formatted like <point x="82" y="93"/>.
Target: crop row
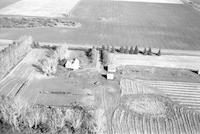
<point x="184" y="121"/>
<point x="184" y="93"/>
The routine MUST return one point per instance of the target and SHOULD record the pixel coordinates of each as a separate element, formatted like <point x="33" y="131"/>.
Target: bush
<point x="121" y="49"/>
<point x="92" y="54"/>
<point x="49" y="65"/>
<point x="73" y="118"/>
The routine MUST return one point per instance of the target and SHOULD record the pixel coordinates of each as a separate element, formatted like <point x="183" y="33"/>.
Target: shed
<point x="110" y="76"/>
<point x="111" y="68"/>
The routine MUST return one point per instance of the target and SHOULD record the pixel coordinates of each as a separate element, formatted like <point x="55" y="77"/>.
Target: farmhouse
<point x="73" y="64"/>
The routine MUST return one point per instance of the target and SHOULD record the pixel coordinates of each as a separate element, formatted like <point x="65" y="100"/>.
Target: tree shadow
<point x="38" y="68"/>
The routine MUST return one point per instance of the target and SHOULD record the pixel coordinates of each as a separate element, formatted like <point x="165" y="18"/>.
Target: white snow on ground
<point x="156" y="1"/>
<point x="43" y="8"/>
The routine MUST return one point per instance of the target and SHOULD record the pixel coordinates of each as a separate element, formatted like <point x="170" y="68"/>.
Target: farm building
<point x="111" y="68"/>
<point x="109" y="76"/>
<point x="73" y="64"/>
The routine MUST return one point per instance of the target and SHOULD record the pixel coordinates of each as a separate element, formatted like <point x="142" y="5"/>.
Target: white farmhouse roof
<point x="73" y="64"/>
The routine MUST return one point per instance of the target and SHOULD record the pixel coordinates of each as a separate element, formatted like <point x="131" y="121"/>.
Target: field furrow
<point x="192" y="122"/>
<point x="133" y="124"/>
<point x="168" y="129"/>
<point x="161" y="125"/>
<point x="196" y="122"/>
<point x="179" y="121"/>
<point x="129" y="127"/>
<point x="114" y="122"/>
<point x="153" y="127"/>
<point x="189" y="121"/>
<point x="144" y="124"/>
<point x="175" y="126"/>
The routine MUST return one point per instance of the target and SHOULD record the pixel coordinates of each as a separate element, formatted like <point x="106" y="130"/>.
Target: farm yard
<point x="140" y="99"/>
<point x="99" y="67"/>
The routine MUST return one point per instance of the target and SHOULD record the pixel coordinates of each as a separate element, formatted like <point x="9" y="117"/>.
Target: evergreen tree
<point x="121" y="50"/>
<point x="103" y="47"/>
<point x="131" y="50"/>
<point x="145" y="51"/>
<point x="126" y="51"/>
<point x="108" y="48"/>
<point x="136" y="51"/>
<point x="149" y="51"/>
<point x="159" y="52"/>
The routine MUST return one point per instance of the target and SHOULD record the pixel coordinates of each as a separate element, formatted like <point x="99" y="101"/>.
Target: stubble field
<point x="173" y="26"/>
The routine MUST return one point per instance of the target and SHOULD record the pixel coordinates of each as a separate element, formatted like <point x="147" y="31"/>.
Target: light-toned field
<point x="156" y="1"/>
<point x="165" y="61"/>
<point x="44" y="8"/>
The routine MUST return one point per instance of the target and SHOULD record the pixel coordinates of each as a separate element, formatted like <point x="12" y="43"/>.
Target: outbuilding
<point x="111" y="68"/>
<point x="110" y="76"/>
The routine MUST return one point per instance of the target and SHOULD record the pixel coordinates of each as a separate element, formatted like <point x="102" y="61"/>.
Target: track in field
<point x="187" y="94"/>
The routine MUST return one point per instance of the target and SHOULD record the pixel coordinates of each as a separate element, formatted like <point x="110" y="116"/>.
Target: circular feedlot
<point x="148" y="104"/>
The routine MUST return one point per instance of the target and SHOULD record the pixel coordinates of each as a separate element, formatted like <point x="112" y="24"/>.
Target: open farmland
<point x="174" y="26"/>
<point x="184" y="93"/>
<point x="47" y="8"/>
<point x="120" y="67"/>
<point x="183" y="121"/>
<point x="136" y="112"/>
<point x="166" y="61"/>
